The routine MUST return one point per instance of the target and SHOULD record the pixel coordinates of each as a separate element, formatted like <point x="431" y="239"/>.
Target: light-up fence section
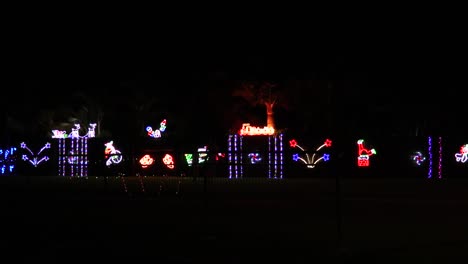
<point x="73" y="151"/>
<point x="255" y="152"/>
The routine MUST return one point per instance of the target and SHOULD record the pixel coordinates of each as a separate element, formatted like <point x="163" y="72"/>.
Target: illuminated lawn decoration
<point x="156" y="133"/>
<point x="75" y="132"/>
<point x="7" y="160"/>
<point x="35" y="159"/>
<point x="418" y="158"/>
<point x="364" y="154"/>
<point x="168" y="161"/>
<point x="202" y="156"/>
<point x="146" y="161"/>
<point x="462" y="156"/>
<point x="189" y="158"/>
<point x="113" y="156"/>
<point x="311" y="161"/>
<point x="73" y="150"/>
<point x="274" y="159"/>
<point x="248" y="130"/>
<point x="255" y="158"/>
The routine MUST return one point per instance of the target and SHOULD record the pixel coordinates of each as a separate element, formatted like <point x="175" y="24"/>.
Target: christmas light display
<point x="418" y="158"/>
<point x="220" y="155"/>
<point x="189" y="159"/>
<point x="156" y="133"/>
<point x="311" y="161"/>
<point x="255" y="158"/>
<point x="168" y="161"/>
<point x="75" y="132"/>
<point x="202" y="154"/>
<point x="235" y="157"/>
<point x="113" y="156"/>
<point x="462" y="156"/>
<point x="34" y="159"/>
<point x="7" y="160"/>
<point x="146" y="161"/>
<point x="73" y="150"/>
<point x="364" y="154"/>
<point x="248" y="130"/>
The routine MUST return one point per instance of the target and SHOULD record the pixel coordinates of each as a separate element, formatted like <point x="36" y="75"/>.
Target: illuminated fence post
<point x="431" y="157"/>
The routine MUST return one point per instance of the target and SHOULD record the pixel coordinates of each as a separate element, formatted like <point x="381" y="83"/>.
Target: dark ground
<point x="72" y="220"/>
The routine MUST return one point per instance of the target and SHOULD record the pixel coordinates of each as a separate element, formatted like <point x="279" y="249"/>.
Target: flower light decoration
<point x="113" y="156"/>
<point x="146" y="161"/>
<point x="364" y="154"/>
<point x="168" y="161"/>
<point x="34" y="158"/>
<point x="156" y="133"/>
<point x="462" y="155"/>
<point x="310" y="160"/>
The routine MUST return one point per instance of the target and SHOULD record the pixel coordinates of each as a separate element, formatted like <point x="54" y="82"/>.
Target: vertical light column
<point x="429" y="174"/>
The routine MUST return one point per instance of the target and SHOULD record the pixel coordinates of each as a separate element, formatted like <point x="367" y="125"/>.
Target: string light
<point x="440" y="157"/>
<point x="429" y="175"/>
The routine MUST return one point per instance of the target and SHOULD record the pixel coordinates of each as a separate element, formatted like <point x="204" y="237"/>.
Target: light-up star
<point x="296" y="157"/>
<point x="293" y="143"/>
<point x="326" y="157"/>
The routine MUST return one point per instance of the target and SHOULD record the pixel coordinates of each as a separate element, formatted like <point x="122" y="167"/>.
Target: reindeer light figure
<point x="310" y="161"/>
<point x="364" y="154"/>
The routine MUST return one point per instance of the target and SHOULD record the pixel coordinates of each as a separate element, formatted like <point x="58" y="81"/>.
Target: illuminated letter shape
<point x="364" y="154"/>
<point x="248" y="130"/>
<point x="310" y="161"/>
<point x="112" y="155"/>
<point x="462" y="156"/>
<point x="34" y="159"/>
<point x="146" y="161"/>
<point x="168" y="161"/>
<point x="418" y="158"/>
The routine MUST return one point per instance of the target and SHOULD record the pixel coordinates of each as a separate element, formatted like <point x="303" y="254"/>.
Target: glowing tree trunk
<point x="270" y="115"/>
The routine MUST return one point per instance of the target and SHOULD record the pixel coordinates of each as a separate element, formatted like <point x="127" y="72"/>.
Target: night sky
<point x="380" y="83"/>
